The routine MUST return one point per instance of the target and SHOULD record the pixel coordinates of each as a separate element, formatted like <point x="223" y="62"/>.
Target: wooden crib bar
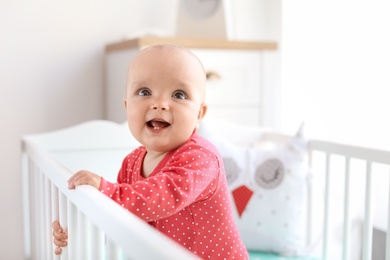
<point x="347" y="224"/>
<point x="367" y="235"/>
<point x="388" y="233"/>
<point x="98" y="227"/>
<point x="369" y="156"/>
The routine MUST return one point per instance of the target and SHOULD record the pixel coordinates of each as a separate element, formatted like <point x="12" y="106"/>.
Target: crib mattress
<point x="253" y="255"/>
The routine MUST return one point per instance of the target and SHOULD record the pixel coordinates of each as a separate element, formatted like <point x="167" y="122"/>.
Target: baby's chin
<point x="164" y="146"/>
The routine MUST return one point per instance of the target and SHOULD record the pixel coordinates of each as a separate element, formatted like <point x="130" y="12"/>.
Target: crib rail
<point x="369" y="158"/>
<point x="98" y="227"/>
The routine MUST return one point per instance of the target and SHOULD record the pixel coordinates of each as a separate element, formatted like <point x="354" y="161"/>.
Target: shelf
<point x="192" y="43"/>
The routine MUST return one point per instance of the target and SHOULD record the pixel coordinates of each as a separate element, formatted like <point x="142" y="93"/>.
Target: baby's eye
<point x="179" y="95"/>
<point x="144" y="92"/>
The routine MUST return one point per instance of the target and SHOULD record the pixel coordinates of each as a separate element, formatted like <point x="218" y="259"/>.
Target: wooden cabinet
<point x="236" y="87"/>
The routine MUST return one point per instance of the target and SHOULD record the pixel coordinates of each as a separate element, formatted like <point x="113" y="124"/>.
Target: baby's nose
<point x="160" y="105"/>
<point x="156" y="107"/>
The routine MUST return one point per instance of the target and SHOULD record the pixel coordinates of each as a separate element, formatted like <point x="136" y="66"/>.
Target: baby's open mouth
<point x="157" y="124"/>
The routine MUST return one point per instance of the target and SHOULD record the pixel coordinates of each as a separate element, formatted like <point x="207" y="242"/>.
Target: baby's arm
<point x="186" y="177"/>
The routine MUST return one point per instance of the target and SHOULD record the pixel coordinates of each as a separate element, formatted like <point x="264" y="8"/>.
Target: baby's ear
<point x="201" y="114"/>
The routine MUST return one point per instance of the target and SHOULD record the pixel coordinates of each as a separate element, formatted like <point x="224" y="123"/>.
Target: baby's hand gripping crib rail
<point x="100" y="229"/>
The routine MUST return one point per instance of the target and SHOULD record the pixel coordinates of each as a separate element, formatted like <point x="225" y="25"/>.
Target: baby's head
<point x="165" y="96"/>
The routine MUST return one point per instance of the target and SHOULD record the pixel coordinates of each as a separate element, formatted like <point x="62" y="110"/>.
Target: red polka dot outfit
<point x="185" y="197"/>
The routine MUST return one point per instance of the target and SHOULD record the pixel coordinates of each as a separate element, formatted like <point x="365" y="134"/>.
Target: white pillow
<point x="233" y="133"/>
<point x="268" y="181"/>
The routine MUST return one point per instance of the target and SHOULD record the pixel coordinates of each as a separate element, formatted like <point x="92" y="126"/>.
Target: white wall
<point x="51" y="76"/>
<point x="335" y="69"/>
<point x="336" y="76"/>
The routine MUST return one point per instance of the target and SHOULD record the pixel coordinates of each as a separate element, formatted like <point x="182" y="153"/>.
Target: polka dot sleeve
<point x="184" y="176"/>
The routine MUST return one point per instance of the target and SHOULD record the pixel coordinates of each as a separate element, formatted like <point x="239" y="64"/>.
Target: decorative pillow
<point x="268" y="181"/>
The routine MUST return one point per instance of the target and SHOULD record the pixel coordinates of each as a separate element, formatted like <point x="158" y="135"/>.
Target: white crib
<point x="101" y="229"/>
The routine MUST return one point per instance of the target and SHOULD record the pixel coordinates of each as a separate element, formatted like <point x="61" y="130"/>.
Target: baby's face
<point x="165" y="97"/>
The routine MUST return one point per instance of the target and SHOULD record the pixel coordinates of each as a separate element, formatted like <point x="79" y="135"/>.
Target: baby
<point x="176" y="180"/>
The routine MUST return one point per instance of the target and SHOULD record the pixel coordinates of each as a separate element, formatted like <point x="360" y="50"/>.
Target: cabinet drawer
<point x="238" y="76"/>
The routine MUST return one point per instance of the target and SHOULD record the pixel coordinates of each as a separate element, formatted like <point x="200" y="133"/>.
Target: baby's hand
<point x="84" y="177"/>
<point x="60" y="237"/>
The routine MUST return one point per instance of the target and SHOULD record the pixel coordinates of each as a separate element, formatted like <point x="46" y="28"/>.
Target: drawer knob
<point x="212" y="75"/>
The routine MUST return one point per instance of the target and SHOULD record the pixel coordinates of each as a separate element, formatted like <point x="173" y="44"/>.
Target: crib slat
<point x="63" y="220"/>
<point x="36" y="205"/>
<point x="113" y="251"/>
<point x="37" y="214"/>
<point x="347" y="224"/>
<point x="54" y="213"/>
<point x="367" y="235"/>
<point x="84" y="234"/>
<point x="326" y="209"/>
<point x="97" y="243"/>
<point x="309" y="204"/>
<point x="26" y="204"/>
<point x="47" y="219"/>
<point x="41" y="210"/>
<point x="73" y="240"/>
<point x="31" y="217"/>
<point x="34" y="210"/>
<point x="388" y="229"/>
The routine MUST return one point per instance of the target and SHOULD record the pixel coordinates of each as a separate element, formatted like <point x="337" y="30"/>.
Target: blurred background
<point x="333" y="60"/>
